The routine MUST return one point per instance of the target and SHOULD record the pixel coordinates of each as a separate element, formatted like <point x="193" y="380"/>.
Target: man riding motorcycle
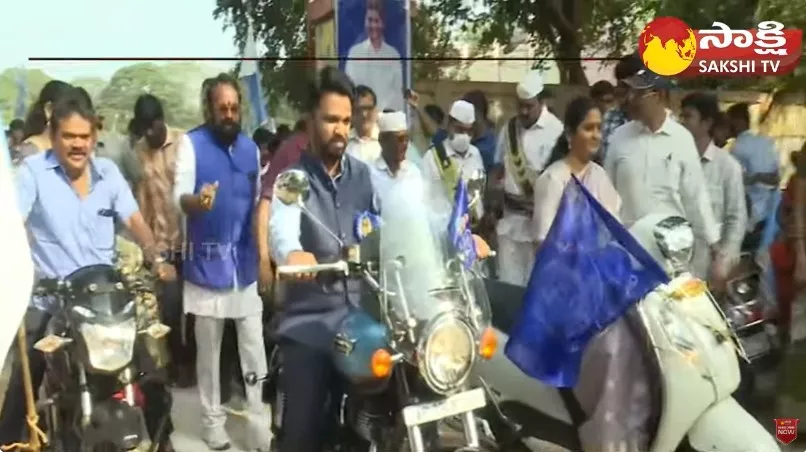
<point x="69" y="201"/>
<point x="340" y="190"/>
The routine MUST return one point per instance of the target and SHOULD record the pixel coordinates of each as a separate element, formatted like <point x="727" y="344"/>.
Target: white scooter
<point x="689" y="344"/>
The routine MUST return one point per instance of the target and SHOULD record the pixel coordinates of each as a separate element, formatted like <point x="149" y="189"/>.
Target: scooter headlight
<point x="109" y="347"/>
<point x="446" y="353"/>
<point x="675" y="239"/>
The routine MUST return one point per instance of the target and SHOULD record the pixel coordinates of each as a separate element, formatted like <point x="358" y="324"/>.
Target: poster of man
<point x="372" y="37"/>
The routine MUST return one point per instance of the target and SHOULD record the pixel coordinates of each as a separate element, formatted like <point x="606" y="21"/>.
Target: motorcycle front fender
<point x="727" y="427"/>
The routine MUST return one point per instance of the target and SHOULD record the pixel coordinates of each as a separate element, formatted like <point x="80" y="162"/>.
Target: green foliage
<point x="35" y="80"/>
<point x="567" y="29"/>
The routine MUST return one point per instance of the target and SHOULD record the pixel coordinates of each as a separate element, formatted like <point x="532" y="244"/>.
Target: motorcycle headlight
<point x="446" y="353"/>
<point x="109" y="347"/>
<point x="675" y="239"/>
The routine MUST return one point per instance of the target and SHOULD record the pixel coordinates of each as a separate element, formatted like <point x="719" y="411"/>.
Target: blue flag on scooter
<point x="587" y="273"/>
<point x="459" y="225"/>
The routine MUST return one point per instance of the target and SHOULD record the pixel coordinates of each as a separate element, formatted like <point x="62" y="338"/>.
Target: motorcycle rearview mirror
<point x="291" y="188"/>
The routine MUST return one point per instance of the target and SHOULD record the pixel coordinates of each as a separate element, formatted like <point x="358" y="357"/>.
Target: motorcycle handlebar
<point x="338" y="267"/>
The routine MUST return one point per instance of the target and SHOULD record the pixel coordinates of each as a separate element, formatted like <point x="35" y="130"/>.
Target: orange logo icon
<point x="667" y="46"/>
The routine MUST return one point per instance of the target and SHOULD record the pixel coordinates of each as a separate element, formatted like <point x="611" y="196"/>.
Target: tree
<point x="93" y="85"/>
<point x="116" y="101"/>
<point x="563" y="29"/>
<point x="34" y="79"/>
<point x="281" y="26"/>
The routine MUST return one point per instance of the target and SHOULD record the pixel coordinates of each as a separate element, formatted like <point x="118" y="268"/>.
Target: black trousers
<point x="182" y="344"/>
<point x="309" y="381"/>
<point x="12" y="418"/>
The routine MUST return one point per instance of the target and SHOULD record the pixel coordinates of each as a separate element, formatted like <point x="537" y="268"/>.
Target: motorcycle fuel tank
<point x="359" y="337"/>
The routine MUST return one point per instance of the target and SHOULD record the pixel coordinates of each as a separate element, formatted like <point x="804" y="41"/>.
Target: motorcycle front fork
<point x="417" y="442"/>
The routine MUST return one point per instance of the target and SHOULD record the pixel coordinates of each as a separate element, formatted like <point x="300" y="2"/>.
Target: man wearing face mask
<point x="217" y="185"/>
<point x="454" y="157"/>
<point x="524" y="147"/>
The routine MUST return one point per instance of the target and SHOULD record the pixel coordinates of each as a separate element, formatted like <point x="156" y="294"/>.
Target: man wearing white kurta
<point x="384" y="74"/>
<point x="391" y="167"/>
<point x="217" y="187"/>
<point x="535" y="131"/>
<point x="460" y="159"/>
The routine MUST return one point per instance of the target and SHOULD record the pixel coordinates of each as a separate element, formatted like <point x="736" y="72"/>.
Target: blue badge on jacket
<point x="365" y="223"/>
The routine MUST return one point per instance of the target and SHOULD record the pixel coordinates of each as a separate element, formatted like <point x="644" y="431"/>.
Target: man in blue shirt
<point x="69" y="201"/>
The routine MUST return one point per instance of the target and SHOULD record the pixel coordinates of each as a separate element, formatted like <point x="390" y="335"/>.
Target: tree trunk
<point x="571" y="71"/>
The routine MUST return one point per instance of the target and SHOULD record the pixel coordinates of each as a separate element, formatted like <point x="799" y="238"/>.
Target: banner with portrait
<point x="374" y="45"/>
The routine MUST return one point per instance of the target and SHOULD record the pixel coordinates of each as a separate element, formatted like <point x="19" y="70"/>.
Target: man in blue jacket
<point x="217" y="185"/>
<point x="341" y="188"/>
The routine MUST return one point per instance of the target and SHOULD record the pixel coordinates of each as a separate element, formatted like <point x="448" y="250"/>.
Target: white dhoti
<point x="515" y="260"/>
<point x="516" y="248"/>
<point x="212" y="309"/>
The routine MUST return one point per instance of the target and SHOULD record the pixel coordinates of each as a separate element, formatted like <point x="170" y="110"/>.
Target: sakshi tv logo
<point x="668" y="46"/>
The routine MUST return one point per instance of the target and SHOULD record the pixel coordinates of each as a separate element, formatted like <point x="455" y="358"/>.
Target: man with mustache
<point x="524" y="147"/>
<point x="392" y="166"/>
<point x="70" y="202"/>
<point x="217" y="185"/>
<point x="341" y="189"/>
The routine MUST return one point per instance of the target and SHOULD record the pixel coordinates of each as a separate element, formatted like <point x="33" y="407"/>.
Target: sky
<point x="103" y="28"/>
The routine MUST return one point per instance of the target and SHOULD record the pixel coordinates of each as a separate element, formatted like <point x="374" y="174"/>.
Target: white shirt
<point x="660" y="172"/>
<point x="385" y="77"/>
<point x="16" y="267"/>
<point x="366" y="149"/>
<point x="536" y="144"/>
<point x="723" y="174"/>
<point x="238" y="303"/>
<point x="468" y="163"/>
<point x="383" y="180"/>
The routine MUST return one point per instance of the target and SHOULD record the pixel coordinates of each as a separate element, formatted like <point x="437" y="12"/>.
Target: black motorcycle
<point x="97" y="357"/>
<point x="408" y="351"/>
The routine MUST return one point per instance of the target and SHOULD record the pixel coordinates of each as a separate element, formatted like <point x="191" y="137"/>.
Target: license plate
<point x="451" y="406"/>
<point x="755" y="345"/>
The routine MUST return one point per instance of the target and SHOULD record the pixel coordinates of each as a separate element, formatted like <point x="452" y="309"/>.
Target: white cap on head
<point x="530" y="86"/>
<point x="463" y="111"/>
<point x="394" y="121"/>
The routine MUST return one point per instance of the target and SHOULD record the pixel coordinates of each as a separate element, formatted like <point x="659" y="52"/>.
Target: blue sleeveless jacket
<point x="221" y="250"/>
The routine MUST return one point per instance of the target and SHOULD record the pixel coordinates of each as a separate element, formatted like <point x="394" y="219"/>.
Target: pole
<point x="31" y="416"/>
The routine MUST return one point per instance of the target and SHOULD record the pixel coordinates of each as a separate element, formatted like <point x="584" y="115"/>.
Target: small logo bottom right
<point x="786" y="430"/>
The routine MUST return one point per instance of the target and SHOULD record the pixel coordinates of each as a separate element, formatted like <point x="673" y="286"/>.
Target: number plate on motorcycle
<point x="451" y="406"/>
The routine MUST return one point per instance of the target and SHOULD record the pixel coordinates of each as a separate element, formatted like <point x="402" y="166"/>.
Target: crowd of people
<point x="201" y="206"/>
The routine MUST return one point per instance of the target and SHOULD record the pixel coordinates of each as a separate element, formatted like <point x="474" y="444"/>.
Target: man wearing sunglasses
<point x="655" y="166"/>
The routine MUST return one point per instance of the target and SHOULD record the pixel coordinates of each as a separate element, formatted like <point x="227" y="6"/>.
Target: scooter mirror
<point x="675" y="239"/>
<point x="292" y="186"/>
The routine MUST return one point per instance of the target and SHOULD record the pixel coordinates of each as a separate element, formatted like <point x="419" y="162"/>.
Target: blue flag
<point x="459" y="225"/>
<point x="587" y="273"/>
<point x="250" y="77"/>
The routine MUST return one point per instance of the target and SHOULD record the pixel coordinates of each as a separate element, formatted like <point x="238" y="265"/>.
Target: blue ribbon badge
<point x="365" y="223"/>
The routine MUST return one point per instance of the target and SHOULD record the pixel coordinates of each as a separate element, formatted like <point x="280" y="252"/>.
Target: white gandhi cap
<point x="463" y="111"/>
<point x="530" y="86"/>
<point x="394" y="121"/>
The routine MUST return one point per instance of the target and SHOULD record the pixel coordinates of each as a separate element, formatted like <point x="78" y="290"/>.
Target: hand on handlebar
<point x="301" y="258"/>
<point x="165" y="271"/>
<point x="483" y="250"/>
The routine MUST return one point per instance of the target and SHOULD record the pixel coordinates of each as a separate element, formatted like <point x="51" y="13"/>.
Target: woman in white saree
<point x="612" y="390"/>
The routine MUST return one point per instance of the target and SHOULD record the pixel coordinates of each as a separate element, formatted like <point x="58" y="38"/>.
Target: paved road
<point x="187" y="421"/>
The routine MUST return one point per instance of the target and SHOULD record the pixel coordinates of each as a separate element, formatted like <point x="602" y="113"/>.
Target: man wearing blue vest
<point x="341" y="188"/>
<point x="217" y="185"/>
